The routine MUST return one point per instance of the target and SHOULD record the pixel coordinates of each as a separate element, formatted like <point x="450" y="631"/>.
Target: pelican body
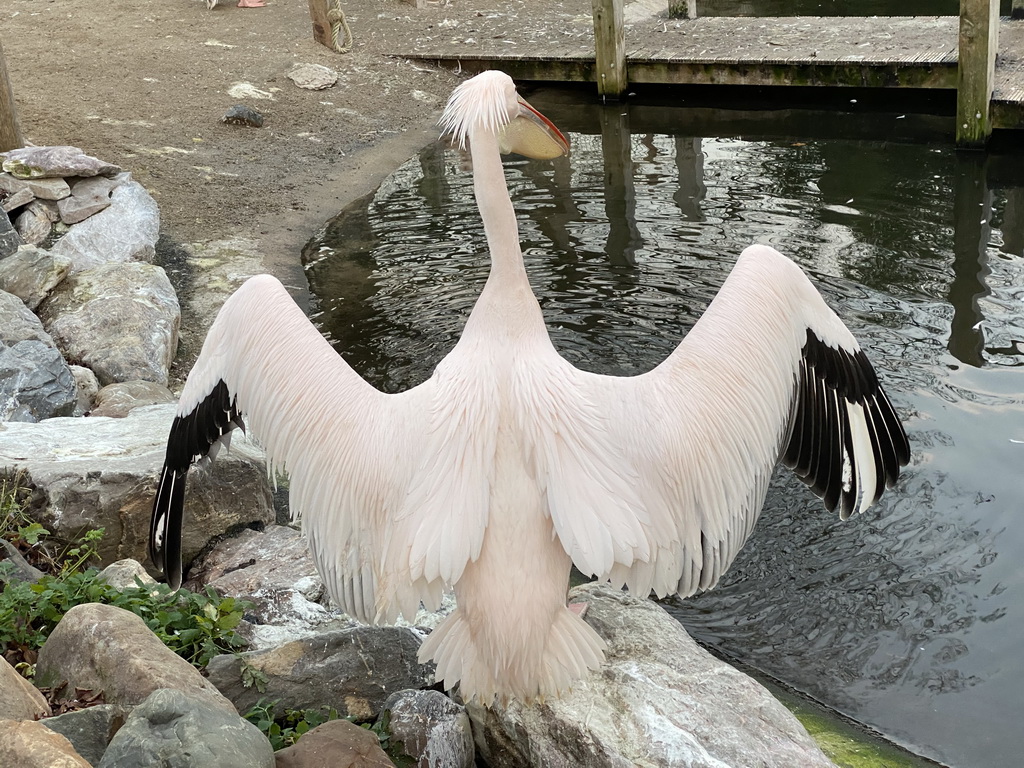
<point x="508" y="465"/>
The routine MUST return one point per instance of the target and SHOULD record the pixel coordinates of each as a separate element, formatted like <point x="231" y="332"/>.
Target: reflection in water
<point x="907" y="618"/>
<point x="972" y="208"/>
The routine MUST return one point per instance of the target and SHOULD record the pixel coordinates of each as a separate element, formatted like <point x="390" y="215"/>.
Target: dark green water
<point x="910" y="618"/>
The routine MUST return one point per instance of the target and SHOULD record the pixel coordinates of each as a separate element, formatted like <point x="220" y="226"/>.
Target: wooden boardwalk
<point x="871" y="52"/>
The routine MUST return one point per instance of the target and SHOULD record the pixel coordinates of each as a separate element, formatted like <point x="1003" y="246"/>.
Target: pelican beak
<point x="532" y="135"/>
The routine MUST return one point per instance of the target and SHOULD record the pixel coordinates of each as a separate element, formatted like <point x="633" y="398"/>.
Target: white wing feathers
<point x="701" y="433"/>
<point x="357" y="458"/>
<point x="653" y="481"/>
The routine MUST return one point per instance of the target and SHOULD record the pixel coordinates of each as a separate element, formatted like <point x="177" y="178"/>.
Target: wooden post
<point x="978" y="43"/>
<point x="687" y="9"/>
<point x="609" y="48"/>
<point x="321" y="26"/>
<point x="10" y="130"/>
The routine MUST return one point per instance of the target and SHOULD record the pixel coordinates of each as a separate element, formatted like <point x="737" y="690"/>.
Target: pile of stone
<point x="81" y="304"/>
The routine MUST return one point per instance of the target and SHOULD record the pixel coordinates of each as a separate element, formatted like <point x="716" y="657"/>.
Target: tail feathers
<point x="484" y="672"/>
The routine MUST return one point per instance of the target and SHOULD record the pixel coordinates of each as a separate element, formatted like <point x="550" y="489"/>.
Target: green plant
<point x="195" y="626"/>
<point x="286" y="730"/>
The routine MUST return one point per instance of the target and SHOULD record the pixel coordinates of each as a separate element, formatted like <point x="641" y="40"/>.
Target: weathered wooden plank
<point x="978" y="43"/>
<point x="321" y="26"/>
<point x="610" y="48"/>
<point x="916" y="52"/>
<point x="10" y="129"/>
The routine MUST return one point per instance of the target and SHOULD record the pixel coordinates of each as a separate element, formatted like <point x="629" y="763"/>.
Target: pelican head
<point x="489" y="103"/>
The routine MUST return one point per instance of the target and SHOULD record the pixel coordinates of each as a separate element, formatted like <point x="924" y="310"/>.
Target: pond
<point x="908" y="618"/>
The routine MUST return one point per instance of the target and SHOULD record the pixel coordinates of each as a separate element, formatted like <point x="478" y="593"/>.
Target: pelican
<point x="508" y="465"/>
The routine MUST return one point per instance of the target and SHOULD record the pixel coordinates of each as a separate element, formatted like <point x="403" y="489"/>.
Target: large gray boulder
<point x="19" y="699"/>
<point x="31" y="273"/>
<point x="274" y="570"/>
<point x="17" y="323"/>
<point x="105" y="648"/>
<point x="431" y="728"/>
<point x="120" y="320"/>
<point x="30" y="744"/>
<point x="10" y="240"/>
<point x="127" y="230"/>
<point x="122" y="397"/>
<point x="335" y="744"/>
<point x="172" y="728"/>
<point x="89" y="730"/>
<point x="35" y="381"/>
<point x="660" y="700"/>
<point x="101" y="473"/>
<point x="353" y="670"/>
<point x="54" y="162"/>
<point x="36" y="220"/>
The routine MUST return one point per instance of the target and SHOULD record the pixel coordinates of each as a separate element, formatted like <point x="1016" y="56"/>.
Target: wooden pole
<point x="10" y="130"/>
<point x="321" y="26"/>
<point x="687" y="9"/>
<point x="978" y="43"/>
<point x="609" y="48"/>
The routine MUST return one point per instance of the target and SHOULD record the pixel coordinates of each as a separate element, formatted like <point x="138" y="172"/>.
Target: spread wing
<point x="371" y="474"/>
<point x="768" y="373"/>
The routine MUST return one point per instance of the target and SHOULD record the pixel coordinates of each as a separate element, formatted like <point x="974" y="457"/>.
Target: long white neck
<point x="507" y="268"/>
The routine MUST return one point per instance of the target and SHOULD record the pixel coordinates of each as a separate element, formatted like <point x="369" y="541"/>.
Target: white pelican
<point x="509" y="465"/>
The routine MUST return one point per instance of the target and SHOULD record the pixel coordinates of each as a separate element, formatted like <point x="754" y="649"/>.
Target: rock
<point x="104" y="648"/>
<point x="35" y="223"/>
<point x="660" y="700"/>
<point x="123" y="574"/>
<point x="274" y="570"/>
<point x="312" y="77"/>
<point x="35" y="383"/>
<point x="88" y="387"/>
<point x="34" y="378"/>
<point x="335" y="744"/>
<point x="172" y="728"/>
<point x="353" y="670"/>
<point x="431" y="728"/>
<point x="240" y="114"/>
<point x="54" y="162"/>
<point x="125" y="231"/>
<point x="19" y="699"/>
<point x="88" y="196"/>
<point x="17" y="200"/>
<point x="44" y="189"/>
<point x="29" y="744"/>
<point x="17" y="566"/>
<point x="17" y="323"/>
<point x="31" y="273"/>
<point x="10" y="240"/>
<point x="89" y="730"/>
<point x="120" y="320"/>
<point x="118" y="399"/>
<point x="101" y="472"/>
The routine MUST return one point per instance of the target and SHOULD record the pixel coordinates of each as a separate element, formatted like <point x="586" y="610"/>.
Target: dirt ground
<point x="145" y="83"/>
